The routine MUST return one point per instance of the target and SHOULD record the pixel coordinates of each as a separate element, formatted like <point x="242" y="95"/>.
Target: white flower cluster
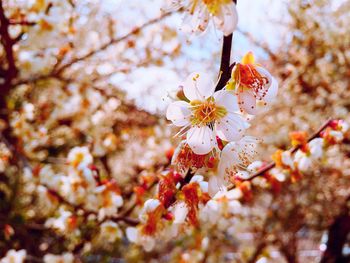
<point x="153" y="216"/>
<point x="5" y="155"/>
<point x="223" y="13"/>
<point x="14" y="256"/>
<point x="215" y="122"/>
<point x="79" y="187"/>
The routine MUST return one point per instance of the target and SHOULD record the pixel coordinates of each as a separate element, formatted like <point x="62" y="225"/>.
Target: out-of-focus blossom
<point x="206" y="115"/>
<point x="199" y="12"/>
<point x="135" y="235"/>
<point x="64" y="258"/>
<point x="234" y="160"/>
<point x="80" y="157"/>
<point x="303" y="161"/>
<point x="65" y="222"/>
<point x="110" y="231"/>
<point x="14" y="256"/>
<point x="253" y="85"/>
<point x="223" y="204"/>
<point x="109" y="201"/>
<point x="5" y="155"/>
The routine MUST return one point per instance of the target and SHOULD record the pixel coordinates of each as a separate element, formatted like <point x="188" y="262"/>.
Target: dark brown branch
<point x="337" y="236"/>
<point x="7" y="43"/>
<point x="225" y="70"/>
<point x="21" y="23"/>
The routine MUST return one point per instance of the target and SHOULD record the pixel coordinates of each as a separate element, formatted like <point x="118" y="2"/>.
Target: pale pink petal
<point x="237" y="155"/>
<point x="247" y="101"/>
<point x="180" y="212"/>
<point x="227" y="100"/>
<point x="231" y="19"/>
<point x="201" y="139"/>
<point x="198" y="86"/>
<point x="132" y="234"/>
<point x="264" y="72"/>
<point x="215" y="184"/>
<point x="231" y="127"/>
<point x="196" y="22"/>
<point x="272" y="91"/>
<point x="179" y="113"/>
<point x="227" y="18"/>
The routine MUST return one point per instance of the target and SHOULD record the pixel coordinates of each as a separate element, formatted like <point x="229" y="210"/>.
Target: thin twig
<point x="56" y="73"/>
<point x="292" y="150"/>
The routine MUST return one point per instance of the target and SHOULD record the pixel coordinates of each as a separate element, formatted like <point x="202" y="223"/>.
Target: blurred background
<point x="101" y="74"/>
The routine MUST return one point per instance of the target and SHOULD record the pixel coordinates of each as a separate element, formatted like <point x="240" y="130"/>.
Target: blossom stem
<point x="225" y="73"/>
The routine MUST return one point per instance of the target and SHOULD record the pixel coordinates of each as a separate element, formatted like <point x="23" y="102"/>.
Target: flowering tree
<point x="86" y="175"/>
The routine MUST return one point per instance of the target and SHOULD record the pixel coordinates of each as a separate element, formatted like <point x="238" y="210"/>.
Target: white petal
<point x="151" y="204"/>
<point x="264" y="72"/>
<point x="237" y="154"/>
<point x="247" y="102"/>
<point x="196" y="22"/>
<point x="198" y="86"/>
<point x="316" y="148"/>
<point x="230" y="128"/>
<point x="197" y="179"/>
<point x="304" y="164"/>
<point x="286" y="159"/>
<point x="231" y="19"/>
<point x="204" y="187"/>
<point x="132" y="234"/>
<point x="272" y="91"/>
<point x="215" y="184"/>
<point x="234" y="194"/>
<point x="201" y="139"/>
<point x="180" y="212"/>
<point x="148" y="244"/>
<point x="178" y="113"/>
<point x="227" y="100"/>
<point x="227" y="18"/>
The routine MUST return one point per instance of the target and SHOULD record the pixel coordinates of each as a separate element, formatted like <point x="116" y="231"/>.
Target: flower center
<point x="215" y="5"/>
<point x="207" y="112"/>
<point x="249" y="77"/>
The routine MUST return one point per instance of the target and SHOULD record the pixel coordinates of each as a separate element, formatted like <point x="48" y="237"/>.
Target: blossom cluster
<point x="212" y="178"/>
<point x="181" y="207"/>
<point x="214" y="123"/>
<point x="222" y="13"/>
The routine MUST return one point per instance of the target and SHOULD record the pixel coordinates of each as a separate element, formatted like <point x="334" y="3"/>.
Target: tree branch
<point x="225" y="70"/>
<point x="7" y="43"/>
<point x="337" y="236"/>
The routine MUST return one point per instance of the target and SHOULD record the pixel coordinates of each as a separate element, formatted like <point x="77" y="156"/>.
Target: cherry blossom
<point x="223" y="203"/>
<point x="80" y="157"/>
<point x="253" y="85"/>
<point x="110" y="231"/>
<point x="234" y="160"/>
<point x="207" y="114"/>
<point x="65" y="257"/>
<point x="199" y="12"/>
<point x="13" y="256"/>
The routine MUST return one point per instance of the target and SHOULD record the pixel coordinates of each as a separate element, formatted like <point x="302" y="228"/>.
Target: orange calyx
<point x="153" y="219"/>
<point x="191" y="194"/>
<point x="248" y="76"/>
